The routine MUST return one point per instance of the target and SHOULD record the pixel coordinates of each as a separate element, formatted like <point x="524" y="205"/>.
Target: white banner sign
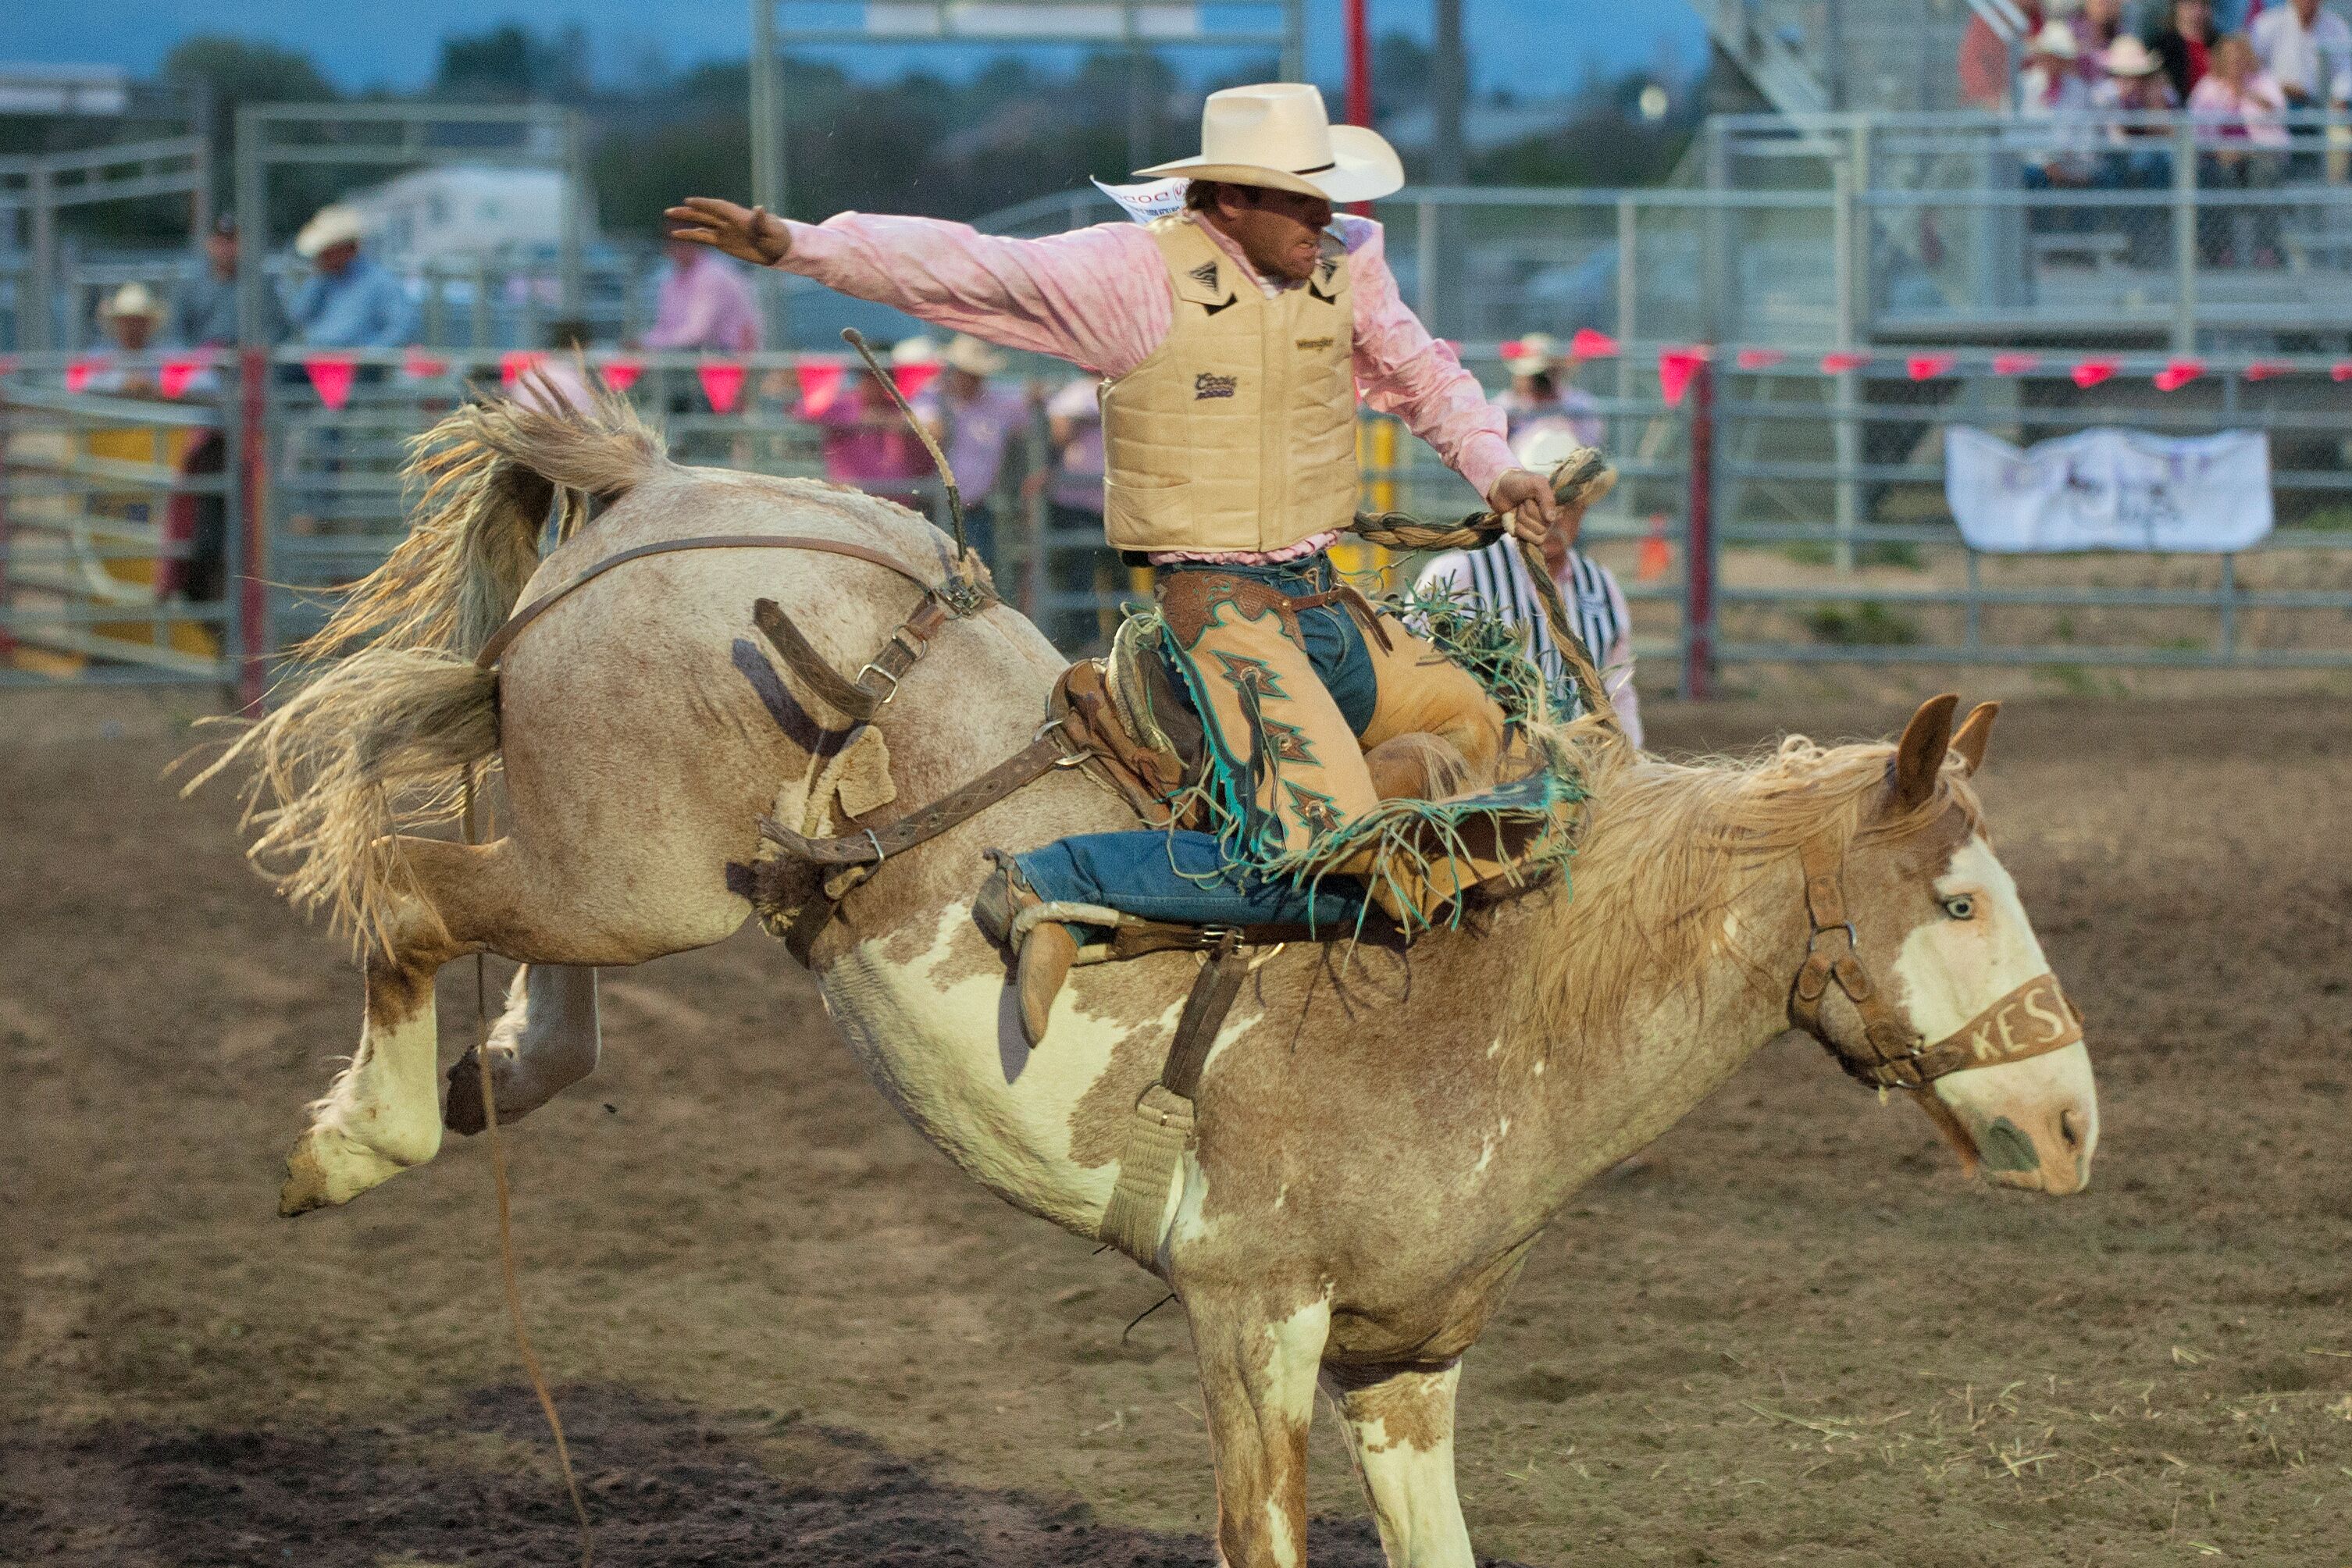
<point x="1028" y="19"/>
<point x="2110" y="490"/>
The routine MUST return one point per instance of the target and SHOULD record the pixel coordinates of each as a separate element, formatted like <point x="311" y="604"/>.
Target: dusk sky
<point x="1521" y="44"/>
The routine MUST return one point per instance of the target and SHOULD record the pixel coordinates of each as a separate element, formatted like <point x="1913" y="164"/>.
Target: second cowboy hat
<point x="2055" y="39"/>
<point x="132" y="300"/>
<point x="329" y="226"/>
<point x="1277" y="134"/>
<point x="971" y="356"/>
<point x="2128" y="57"/>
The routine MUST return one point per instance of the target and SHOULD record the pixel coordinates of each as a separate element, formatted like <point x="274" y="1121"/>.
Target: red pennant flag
<point x="820" y="383"/>
<point x="2341" y="370"/>
<point x="2089" y="372"/>
<point x="1657" y="557"/>
<point x="722" y="383"/>
<point x="517" y="363"/>
<point x="79" y="370"/>
<point x="2178" y="374"/>
<point x="912" y="378"/>
<point x="172" y="377"/>
<point x="1760" y="359"/>
<point x="8" y="365"/>
<point x="2015" y="364"/>
<point x="2264" y="369"/>
<point x="1589" y="344"/>
<point x="331" y="375"/>
<point x="1843" y="360"/>
<point x="620" y="375"/>
<point x="419" y="366"/>
<point x="1927" y="367"/>
<point x="1676" y="368"/>
<point x="1513" y="350"/>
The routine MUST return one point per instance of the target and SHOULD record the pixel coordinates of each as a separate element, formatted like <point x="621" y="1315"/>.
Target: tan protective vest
<point x="1239" y="432"/>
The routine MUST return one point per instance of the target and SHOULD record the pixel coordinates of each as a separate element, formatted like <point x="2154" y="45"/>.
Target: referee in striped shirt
<point x="1496" y="578"/>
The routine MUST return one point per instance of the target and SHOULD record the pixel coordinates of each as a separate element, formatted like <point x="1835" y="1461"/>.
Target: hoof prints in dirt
<point x="666" y="1484"/>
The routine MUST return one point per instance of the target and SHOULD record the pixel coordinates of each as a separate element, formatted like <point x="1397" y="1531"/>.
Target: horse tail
<point x="383" y="739"/>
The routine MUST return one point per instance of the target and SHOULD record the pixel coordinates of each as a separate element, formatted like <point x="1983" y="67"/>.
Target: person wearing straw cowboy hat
<point x="1233" y="336"/>
<point x="351" y="300"/>
<point x="975" y="421"/>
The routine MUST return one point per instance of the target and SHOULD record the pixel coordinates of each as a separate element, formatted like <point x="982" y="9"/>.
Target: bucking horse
<point x="1383" y="1129"/>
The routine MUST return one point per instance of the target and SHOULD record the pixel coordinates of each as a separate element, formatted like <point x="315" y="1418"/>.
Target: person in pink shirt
<point x="703" y="303"/>
<point x="1235" y="338"/>
<point x="2240" y="111"/>
<point x="866" y="441"/>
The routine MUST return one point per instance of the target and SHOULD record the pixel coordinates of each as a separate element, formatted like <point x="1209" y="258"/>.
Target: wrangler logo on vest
<point x="1208" y="384"/>
<point x="1323" y="342"/>
<point x="2030" y="1020"/>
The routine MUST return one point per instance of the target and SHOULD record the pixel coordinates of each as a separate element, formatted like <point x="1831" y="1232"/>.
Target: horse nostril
<point x="2070" y="1128"/>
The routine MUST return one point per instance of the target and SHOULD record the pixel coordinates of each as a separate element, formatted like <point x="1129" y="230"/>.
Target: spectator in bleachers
<point x="2185" y="45"/>
<point x="2134" y="85"/>
<point x="1540" y="389"/>
<point x="975" y="421"/>
<point x="203" y="308"/>
<point x="2055" y="103"/>
<point x="351" y="300"/>
<point x="2240" y="110"/>
<point x="1984" y="59"/>
<point x="2308" y="51"/>
<point x="2099" y="26"/>
<point x="130" y="316"/>
<point x="705" y="302"/>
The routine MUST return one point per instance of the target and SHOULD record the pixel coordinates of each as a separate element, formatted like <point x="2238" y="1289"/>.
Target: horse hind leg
<point x="1399" y="1426"/>
<point x="546" y="1040"/>
<point x="382" y="1114"/>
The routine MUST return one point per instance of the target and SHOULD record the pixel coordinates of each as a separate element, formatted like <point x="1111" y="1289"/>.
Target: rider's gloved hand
<point x="1523" y="498"/>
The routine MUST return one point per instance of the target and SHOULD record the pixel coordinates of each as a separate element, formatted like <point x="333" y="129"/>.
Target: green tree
<point x="226" y="73"/>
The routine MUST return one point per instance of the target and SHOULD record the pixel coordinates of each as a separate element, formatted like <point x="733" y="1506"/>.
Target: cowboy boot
<point x="1010" y="911"/>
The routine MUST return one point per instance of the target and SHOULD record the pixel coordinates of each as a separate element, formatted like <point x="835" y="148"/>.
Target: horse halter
<point x="2031" y="1020"/>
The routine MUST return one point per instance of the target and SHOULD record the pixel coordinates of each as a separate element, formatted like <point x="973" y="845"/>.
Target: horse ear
<point x="1968" y="740"/>
<point x="1920" y="756"/>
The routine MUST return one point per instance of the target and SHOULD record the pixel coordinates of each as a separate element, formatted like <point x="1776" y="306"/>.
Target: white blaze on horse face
<point x="2034" y="1122"/>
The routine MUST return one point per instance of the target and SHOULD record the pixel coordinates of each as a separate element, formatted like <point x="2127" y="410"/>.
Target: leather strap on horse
<point x="2031" y="1020"/>
<point x="963" y="594"/>
<point x="1160" y="1128"/>
<point x="873" y="845"/>
<point x="859" y="699"/>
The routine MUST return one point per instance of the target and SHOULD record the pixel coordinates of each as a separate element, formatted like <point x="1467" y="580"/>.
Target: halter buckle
<point x="1853" y="940"/>
<point x="874" y="669"/>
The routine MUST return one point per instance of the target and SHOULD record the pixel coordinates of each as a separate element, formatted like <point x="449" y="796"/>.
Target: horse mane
<point x="1668" y="850"/>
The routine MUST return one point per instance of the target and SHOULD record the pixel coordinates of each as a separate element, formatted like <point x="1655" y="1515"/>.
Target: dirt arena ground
<point x="785" y="1331"/>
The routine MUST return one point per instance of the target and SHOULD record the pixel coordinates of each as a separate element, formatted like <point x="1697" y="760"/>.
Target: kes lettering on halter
<point x="2031" y="1020"/>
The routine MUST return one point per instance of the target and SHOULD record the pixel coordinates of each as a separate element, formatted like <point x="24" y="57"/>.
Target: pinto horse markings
<point x="1382" y="1137"/>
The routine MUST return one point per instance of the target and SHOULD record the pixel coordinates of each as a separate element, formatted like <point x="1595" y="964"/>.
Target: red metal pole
<point x="253" y="404"/>
<point x="1698" y="542"/>
<point x="1359" y="76"/>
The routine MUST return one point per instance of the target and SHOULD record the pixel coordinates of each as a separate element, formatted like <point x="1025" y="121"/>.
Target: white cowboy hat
<point x="1531" y="354"/>
<point x="2055" y="39"/>
<point x="2128" y="57"/>
<point x="132" y="300"/>
<point x="916" y="350"/>
<point x="1279" y="135"/>
<point x="329" y="226"/>
<point x="970" y="355"/>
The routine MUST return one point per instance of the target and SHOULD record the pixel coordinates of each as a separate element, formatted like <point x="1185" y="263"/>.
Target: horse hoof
<point x="327" y="1166"/>
<point x="463" y="1111"/>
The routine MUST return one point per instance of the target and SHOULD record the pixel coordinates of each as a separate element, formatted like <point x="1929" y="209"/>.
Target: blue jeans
<point x="1182" y="878"/>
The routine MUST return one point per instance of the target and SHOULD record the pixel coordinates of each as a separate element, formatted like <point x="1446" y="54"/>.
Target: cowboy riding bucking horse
<point x="1233" y="338"/>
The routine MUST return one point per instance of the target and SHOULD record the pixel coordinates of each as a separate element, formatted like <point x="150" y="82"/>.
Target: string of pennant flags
<point x="1679" y="363"/>
<point x="819" y="379"/>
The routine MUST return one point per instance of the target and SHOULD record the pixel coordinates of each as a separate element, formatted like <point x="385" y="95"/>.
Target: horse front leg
<point x="1258" y="1362"/>
<point x="1400" y="1422"/>
<point x="383" y="1114"/>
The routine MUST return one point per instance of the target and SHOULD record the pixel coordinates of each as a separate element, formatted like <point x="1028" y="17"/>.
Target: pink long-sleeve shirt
<point x="1100" y="297"/>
